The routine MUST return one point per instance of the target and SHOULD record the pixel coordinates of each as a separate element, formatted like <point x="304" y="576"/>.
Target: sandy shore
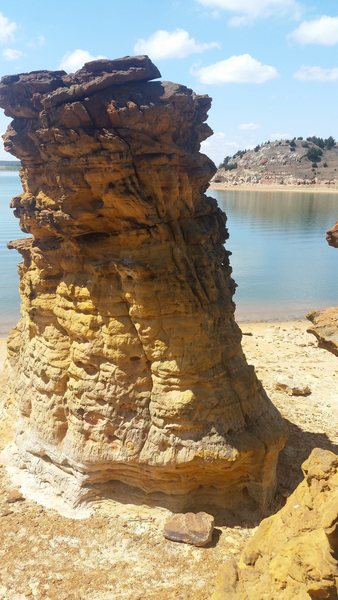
<point x="309" y="189"/>
<point x="2" y="352"/>
<point x="120" y="551"/>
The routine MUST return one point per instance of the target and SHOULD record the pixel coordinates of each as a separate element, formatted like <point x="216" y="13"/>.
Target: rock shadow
<point x="299" y="445"/>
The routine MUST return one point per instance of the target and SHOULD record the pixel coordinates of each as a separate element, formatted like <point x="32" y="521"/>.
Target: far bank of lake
<point x="273" y="187"/>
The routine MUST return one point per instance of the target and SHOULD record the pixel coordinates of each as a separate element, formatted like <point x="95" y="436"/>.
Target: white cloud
<point x="72" y="61"/>
<point x="218" y="146"/>
<point x="171" y="44"/>
<point x="249" y="126"/>
<point x="11" y="54"/>
<point x="236" y="69"/>
<point x="317" y="74"/>
<point x="323" y="30"/>
<point x="7" y="29"/>
<point x="248" y="10"/>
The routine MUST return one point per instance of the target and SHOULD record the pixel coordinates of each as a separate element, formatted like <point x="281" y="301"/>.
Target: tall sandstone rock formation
<point x="127" y="363"/>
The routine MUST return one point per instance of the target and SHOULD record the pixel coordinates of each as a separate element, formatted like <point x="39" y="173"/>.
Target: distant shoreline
<point x="309" y="189"/>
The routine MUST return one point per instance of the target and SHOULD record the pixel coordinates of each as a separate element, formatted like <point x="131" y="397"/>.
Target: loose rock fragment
<point x="14" y="496"/>
<point x="190" y="528"/>
<point x="293" y="387"/>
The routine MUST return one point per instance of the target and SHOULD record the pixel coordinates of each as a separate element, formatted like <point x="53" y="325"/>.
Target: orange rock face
<point x="127" y="363"/>
<point x="332" y="236"/>
<point x="293" y="554"/>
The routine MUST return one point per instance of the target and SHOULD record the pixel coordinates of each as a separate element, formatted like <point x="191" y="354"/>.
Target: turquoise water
<point x="281" y="262"/>
<point x="9" y="230"/>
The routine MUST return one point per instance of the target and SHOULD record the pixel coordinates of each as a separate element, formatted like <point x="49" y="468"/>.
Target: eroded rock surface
<point x="325" y="328"/>
<point x="325" y="322"/>
<point x="332" y="236"/>
<point x="127" y="363"/>
<point x="293" y="554"/>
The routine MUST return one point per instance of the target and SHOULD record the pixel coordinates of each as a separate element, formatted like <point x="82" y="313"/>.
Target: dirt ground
<point x="119" y="553"/>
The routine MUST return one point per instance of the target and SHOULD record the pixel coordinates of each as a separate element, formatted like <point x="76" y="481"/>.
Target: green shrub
<point x="317" y="141"/>
<point x="330" y="143"/>
<point x="224" y="162"/>
<point x="239" y="154"/>
<point x="230" y="166"/>
<point x="314" y="154"/>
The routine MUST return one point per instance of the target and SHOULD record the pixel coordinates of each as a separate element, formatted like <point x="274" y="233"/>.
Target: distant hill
<point x="297" y="161"/>
<point x="10" y="165"/>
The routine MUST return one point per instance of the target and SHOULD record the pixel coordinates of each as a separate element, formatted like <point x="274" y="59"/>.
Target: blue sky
<point x="271" y="66"/>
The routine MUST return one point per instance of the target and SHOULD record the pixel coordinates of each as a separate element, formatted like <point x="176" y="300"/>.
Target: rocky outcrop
<point x="325" y="328"/>
<point x="325" y="322"/>
<point x="293" y="554"/>
<point x="332" y="236"/>
<point x="127" y="364"/>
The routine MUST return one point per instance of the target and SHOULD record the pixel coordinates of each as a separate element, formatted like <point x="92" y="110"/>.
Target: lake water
<point x="281" y="262"/>
<point x="10" y="186"/>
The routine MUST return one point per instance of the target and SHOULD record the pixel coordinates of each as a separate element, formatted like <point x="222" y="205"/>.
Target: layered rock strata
<point x="294" y="553"/>
<point x="127" y="363"/>
<point x="332" y="236"/>
<point x="325" y="322"/>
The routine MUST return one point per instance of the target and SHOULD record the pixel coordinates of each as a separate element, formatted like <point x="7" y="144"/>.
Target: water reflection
<point x="9" y="229"/>
<point x="281" y="261"/>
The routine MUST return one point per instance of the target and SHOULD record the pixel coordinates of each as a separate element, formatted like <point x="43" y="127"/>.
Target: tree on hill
<point x="227" y="165"/>
<point x="327" y="143"/>
<point x="314" y="154"/>
<point x="330" y="142"/>
<point x="224" y="162"/>
<point x="318" y="141"/>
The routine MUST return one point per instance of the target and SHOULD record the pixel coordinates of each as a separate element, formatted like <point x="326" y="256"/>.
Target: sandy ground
<point x="309" y="189"/>
<point x="119" y="553"/>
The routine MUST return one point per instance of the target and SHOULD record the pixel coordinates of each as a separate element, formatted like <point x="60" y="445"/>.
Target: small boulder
<point x="14" y="496"/>
<point x="293" y="387"/>
<point x="190" y="528"/>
